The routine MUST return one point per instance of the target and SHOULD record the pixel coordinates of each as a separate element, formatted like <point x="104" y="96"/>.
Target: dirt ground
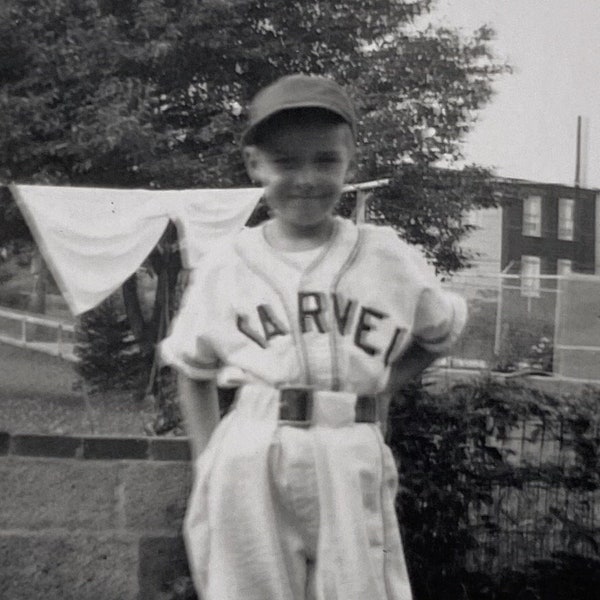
<point x="40" y="394"/>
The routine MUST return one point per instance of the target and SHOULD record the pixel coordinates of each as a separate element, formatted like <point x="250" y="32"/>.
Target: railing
<point x="42" y="333"/>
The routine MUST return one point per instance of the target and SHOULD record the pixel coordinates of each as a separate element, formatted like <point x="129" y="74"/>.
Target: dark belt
<point x="296" y="406"/>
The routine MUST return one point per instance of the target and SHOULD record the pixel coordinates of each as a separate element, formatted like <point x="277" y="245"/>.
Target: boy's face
<point x="303" y="169"/>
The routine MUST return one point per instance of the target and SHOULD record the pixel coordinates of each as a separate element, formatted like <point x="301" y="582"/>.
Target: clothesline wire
<point x="349" y="187"/>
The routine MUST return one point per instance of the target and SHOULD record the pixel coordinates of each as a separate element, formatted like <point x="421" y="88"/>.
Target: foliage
<point x="562" y="576"/>
<point x="444" y="470"/>
<point x="151" y="93"/>
<point x="167" y="413"/>
<point x="427" y="204"/>
<point x="110" y="357"/>
<point x="451" y="461"/>
<point x="121" y="334"/>
<point x="13" y="230"/>
<point x="142" y="92"/>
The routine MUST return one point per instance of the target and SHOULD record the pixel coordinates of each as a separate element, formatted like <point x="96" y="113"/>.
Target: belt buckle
<point x="296" y="406"/>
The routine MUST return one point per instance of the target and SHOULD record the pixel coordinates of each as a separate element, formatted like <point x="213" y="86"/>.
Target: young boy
<point x="306" y="314"/>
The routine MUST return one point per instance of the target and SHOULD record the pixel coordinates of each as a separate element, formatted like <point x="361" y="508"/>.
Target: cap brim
<point x="247" y="138"/>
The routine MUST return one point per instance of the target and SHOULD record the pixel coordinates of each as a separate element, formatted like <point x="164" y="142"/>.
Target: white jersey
<point x="252" y="315"/>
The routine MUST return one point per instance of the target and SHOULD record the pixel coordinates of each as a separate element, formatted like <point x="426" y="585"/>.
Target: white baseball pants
<point x="287" y="513"/>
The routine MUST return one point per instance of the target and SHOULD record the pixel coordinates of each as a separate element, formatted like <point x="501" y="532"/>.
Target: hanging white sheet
<point x="93" y="239"/>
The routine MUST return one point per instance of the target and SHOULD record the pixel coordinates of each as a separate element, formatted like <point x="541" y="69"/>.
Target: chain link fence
<point x="548" y="323"/>
<point x="555" y="507"/>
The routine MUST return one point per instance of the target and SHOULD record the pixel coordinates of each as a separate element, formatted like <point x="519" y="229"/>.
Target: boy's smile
<point x="303" y="169"/>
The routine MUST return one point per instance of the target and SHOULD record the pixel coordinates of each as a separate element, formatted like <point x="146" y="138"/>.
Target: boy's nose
<point x="305" y="175"/>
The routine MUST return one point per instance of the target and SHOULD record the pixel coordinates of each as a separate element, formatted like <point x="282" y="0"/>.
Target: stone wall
<point x="94" y="518"/>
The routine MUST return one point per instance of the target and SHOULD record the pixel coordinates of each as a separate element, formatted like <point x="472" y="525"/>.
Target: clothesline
<point x="93" y="239"/>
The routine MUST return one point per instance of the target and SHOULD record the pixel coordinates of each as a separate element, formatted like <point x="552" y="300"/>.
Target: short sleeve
<point x="440" y="314"/>
<point x="439" y="320"/>
<point x="187" y="347"/>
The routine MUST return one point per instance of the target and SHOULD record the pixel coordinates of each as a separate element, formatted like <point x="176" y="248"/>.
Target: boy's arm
<point x="200" y="407"/>
<point x="411" y="364"/>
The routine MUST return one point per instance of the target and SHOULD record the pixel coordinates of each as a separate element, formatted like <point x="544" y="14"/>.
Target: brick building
<point x="554" y="230"/>
<point x="551" y="230"/>
<point x="546" y="242"/>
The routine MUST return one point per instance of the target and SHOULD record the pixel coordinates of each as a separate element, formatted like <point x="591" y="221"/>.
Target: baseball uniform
<point x="286" y="513"/>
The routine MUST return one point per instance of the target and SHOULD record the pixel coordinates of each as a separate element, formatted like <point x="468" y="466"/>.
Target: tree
<point x="427" y="204"/>
<point x="110" y="358"/>
<point x="151" y="93"/>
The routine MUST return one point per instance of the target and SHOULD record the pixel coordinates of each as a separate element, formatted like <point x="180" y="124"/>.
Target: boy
<point x="294" y="493"/>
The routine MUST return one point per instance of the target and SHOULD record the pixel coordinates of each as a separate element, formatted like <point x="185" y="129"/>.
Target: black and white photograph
<point x="299" y="300"/>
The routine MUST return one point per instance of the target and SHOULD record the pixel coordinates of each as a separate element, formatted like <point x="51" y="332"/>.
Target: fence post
<point x="362" y="197"/>
<point x="24" y="331"/>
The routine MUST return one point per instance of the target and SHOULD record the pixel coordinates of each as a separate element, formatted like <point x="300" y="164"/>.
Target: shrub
<point x="110" y="358"/>
<point x="562" y="576"/>
<point x="449" y="446"/>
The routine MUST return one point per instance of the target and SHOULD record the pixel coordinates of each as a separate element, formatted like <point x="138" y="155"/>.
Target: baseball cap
<point x="298" y="91"/>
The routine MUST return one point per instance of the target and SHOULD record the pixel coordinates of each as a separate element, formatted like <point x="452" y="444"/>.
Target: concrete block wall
<point x="94" y="518"/>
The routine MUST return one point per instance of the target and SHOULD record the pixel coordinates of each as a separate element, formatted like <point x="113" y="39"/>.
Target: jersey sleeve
<point x="440" y="315"/>
<point x="188" y="348"/>
<point x="440" y="318"/>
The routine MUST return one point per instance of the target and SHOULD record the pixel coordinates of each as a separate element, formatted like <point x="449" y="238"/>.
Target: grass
<point x="42" y="394"/>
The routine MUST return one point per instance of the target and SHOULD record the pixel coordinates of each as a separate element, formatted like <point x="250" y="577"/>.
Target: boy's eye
<point x="291" y="162"/>
<point x="327" y="159"/>
<point x="284" y="161"/>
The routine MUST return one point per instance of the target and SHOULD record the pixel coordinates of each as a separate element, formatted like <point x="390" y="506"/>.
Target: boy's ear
<point x="252" y="161"/>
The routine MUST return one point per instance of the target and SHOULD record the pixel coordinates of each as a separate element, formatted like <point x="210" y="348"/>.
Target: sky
<point x="529" y="129"/>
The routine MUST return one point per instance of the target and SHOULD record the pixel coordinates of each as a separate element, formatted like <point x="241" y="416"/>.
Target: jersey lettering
<point x="345" y="316"/>
<point x="242" y="325"/>
<point x="313" y="308"/>
<point x="270" y="323"/>
<point x="364" y="325"/>
<point x="391" y="352"/>
<point x="311" y="305"/>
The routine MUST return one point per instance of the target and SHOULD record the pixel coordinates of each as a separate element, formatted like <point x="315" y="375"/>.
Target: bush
<point x="562" y="576"/>
<point x="110" y="358"/>
<point x="451" y="462"/>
